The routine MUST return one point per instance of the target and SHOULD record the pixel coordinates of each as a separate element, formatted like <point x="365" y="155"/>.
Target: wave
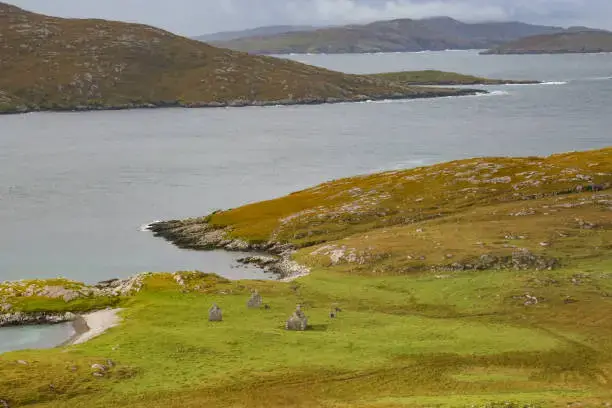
<point x="147" y="227"/>
<point x="492" y="93"/>
<point x="604" y="78"/>
<point x="540" y="83"/>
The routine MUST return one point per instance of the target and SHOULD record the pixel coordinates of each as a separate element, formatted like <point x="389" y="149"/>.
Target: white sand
<point x="98" y="323"/>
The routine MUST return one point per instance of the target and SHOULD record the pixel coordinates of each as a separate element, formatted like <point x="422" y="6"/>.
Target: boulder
<point x="298" y="320"/>
<point x="255" y="301"/>
<point x="215" y="314"/>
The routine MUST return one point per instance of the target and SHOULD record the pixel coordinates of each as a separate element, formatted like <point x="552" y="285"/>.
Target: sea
<point x="77" y="190"/>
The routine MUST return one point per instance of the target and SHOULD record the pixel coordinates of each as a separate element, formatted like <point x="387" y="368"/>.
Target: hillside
<point x="477" y="283"/>
<point x="63" y="64"/>
<point x="253" y="32"/>
<point x="571" y="42"/>
<point x="390" y="36"/>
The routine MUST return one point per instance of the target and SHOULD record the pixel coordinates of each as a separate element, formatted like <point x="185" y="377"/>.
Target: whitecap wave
<point x="603" y="78"/>
<point x="147" y="227"/>
<point x="553" y="83"/>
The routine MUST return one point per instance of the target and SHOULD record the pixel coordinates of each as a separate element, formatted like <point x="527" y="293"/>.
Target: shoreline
<point x="427" y="94"/>
<point x="194" y="234"/>
<point x="91" y="325"/>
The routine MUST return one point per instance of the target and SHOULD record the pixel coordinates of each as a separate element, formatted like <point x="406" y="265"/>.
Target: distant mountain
<point x="574" y="40"/>
<point x="51" y="63"/>
<point x="253" y="32"/>
<point x="390" y="36"/>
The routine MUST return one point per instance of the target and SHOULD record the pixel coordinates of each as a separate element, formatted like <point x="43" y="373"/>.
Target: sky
<point x="195" y="17"/>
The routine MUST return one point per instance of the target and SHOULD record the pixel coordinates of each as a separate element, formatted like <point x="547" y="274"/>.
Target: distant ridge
<point x="576" y="40"/>
<point x="439" y="33"/>
<point x="253" y="32"/>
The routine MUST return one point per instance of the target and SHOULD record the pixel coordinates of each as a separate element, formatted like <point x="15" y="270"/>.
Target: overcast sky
<point x="194" y="17"/>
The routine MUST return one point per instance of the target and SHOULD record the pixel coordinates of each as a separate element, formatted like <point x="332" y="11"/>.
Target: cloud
<point x="192" y="17"/>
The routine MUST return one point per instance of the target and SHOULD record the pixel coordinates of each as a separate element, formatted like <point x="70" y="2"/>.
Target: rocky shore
<point x="14" y="295"/>
<point x="238" y="103"/>
<point x="196" y="234"/>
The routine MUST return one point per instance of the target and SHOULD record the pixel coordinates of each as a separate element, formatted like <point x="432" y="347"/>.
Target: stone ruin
<point x="298" y="321"/>
<point x="255" y="301"/>
<point x="215" y="314"/>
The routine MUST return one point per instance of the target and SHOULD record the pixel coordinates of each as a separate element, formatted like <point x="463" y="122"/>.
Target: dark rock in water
<point x="260" y="260"/>
<point x="215" y="314"/>
<point x="255" y="301"/>
<point x="298" y="321"/>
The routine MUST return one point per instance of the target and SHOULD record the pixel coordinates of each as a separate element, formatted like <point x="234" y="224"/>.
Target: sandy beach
<point x="92" y="325"/>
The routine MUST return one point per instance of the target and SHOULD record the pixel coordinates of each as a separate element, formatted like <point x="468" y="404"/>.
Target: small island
<point x="577" y="41"/>
<point x="477" y="274"/>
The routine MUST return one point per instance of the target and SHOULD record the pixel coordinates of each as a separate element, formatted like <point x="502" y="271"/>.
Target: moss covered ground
<point x="418" y="326"/>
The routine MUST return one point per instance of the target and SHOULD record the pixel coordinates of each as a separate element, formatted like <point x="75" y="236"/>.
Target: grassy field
<point x="423" y="321"/>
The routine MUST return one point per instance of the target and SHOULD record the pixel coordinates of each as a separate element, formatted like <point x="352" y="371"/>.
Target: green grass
<point x="397" y="339"/>
<point x="412" y="332"/>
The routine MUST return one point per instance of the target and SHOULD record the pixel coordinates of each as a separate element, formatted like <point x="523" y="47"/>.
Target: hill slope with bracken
<point x="59" y="64"/>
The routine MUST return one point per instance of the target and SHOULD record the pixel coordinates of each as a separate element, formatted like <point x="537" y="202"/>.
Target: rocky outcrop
<point x="23" y="319"/>
<point x="14" y="293"/>
<point x="521" y="259"/>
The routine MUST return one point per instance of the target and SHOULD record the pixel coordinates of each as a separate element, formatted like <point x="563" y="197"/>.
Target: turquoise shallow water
<point x="77" y="188"/>
<point x="13" y="338"/>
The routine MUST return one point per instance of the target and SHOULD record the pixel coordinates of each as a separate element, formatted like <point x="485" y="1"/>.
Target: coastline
<point x="91" y="325"/>
<point x="427" y="94"/>
<point x="194" y="234"/>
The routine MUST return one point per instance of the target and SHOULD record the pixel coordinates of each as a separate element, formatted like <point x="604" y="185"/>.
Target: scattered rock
<point x="255" y="301"/>
<point x="260" y="260"/>
<point x="298" y="321"/>
<point x="22" y="362"/>
<point x="4" y="404"/>
<point x="98" y="367"/>
<point x="98" y="374"/>
<point x="531" y="300"/>
<point x="215" y="314"/>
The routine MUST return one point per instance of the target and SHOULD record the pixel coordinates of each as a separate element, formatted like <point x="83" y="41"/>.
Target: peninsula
<point x="72" y="64"/>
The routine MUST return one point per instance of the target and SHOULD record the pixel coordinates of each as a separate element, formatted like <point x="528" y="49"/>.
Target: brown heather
<point x="50" y="63"/>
